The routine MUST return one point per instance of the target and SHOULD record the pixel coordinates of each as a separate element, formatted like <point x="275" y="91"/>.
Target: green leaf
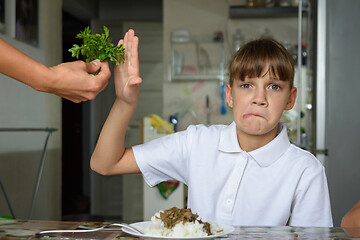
<point x="106" y="30"/>
<point x="96" y="46"/>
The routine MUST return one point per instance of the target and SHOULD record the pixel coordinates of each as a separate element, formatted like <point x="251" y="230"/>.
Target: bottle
<point x="174" y="120"/>
<point x="285" y="3"/>
<point x="295" y="3"/>
<point x="269" y="3"/>
<point x="251" y="3"/>
<point x="304" y="54"/>
<point x="238" y="39"/>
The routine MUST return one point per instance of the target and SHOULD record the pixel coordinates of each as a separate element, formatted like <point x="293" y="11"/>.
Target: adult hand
<point x="73" y="80"/>
<point x="76" y="81"/>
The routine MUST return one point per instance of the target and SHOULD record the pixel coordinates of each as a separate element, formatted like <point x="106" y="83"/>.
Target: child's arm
<point x="110" y="155"/>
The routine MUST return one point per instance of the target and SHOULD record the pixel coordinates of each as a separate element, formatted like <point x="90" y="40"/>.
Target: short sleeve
<point x="165" y="158"/>
<point x="311" y="206"/>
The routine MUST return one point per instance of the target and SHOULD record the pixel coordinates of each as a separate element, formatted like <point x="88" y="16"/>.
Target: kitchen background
<point x="201" y="36"/>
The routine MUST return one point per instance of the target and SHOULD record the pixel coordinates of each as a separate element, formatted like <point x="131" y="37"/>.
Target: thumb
<point x="93" y="66"/>
<point x="105" y="70"/>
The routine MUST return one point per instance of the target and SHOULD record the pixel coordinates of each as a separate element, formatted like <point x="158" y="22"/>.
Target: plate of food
<point x="176" y="223"/>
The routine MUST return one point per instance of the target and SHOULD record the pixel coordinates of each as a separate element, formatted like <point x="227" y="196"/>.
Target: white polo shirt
<point x="278" y="184"/>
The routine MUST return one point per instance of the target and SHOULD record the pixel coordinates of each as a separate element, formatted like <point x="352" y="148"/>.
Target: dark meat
<point x="172" y="216"/>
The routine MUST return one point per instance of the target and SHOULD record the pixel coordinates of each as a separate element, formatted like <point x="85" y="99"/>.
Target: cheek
<point x="279" y="103"/>
<point x="239" y="104"/>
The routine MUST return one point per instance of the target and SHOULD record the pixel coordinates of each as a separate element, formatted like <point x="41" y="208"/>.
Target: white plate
<point x="141" y="225"/>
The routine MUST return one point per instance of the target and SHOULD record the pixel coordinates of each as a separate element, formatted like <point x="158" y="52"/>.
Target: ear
<point x="292" y="98"/>
<point x="229" y="97"/>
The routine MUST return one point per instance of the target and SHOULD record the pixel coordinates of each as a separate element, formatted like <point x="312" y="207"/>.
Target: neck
<point x="249" y="142"/>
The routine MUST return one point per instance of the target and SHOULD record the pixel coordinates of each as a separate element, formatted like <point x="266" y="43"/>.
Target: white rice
<point x="189" y="229"/>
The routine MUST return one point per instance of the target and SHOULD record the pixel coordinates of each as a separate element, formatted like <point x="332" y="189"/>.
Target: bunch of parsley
<point x="98" y="46"/>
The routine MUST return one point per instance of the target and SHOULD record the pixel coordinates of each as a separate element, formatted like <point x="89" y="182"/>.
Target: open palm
<point x="127" y="74"/>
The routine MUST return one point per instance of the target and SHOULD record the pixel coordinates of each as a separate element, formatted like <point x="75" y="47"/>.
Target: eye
<point x="245" y="85"/>
<point x="274" y="87"/>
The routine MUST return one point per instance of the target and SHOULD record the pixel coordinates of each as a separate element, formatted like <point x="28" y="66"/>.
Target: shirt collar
<point x="228" y="139"/>
<point x="268" y="154"/>
<point x="264" y="156"/>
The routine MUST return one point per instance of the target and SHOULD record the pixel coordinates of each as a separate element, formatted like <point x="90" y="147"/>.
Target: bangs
<point x="259" y="57"/>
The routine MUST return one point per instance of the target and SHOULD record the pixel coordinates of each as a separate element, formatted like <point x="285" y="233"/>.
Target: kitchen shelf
<point x="196" y="59"/>
<point x="263" y="12"/>
<point x="196" y="77"/>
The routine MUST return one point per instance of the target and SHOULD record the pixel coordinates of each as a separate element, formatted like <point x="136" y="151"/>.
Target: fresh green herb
<point x="98" y="46"/>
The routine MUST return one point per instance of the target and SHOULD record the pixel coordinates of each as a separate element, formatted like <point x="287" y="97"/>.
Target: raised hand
<point x="127" y="74"/>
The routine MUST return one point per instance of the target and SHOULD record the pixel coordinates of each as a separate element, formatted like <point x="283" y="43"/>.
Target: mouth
<point x="248" y="115"/>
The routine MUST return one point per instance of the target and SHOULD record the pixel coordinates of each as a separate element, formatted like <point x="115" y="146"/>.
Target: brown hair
<point x="253" y="57"/>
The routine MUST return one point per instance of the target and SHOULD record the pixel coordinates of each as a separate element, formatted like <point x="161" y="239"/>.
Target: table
<point x="25" y="229"/>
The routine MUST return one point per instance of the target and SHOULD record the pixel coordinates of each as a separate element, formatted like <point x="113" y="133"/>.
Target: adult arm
<point x="352" y="218"/>
<point x="73" y="80"/>
<point x="110" y="155"/>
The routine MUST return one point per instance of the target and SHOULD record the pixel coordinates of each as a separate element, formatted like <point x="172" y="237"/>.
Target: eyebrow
<point x="253" y="78"/>
<point x="275" y="78"/>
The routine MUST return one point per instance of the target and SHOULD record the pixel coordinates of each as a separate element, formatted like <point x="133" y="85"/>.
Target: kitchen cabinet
<point x="264" y="12"/>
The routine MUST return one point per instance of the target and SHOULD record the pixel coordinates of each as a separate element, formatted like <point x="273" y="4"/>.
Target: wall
<point x="22" y="107"/>
<point x="342" y="105"/>
<point x="82" y="9"/>
<point x="201" y="18"/>
<point x="135" y="10"/>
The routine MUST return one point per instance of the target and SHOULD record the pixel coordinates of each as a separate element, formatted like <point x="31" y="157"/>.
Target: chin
<point x="257" y="130"/>
<point x="252" y="130"/>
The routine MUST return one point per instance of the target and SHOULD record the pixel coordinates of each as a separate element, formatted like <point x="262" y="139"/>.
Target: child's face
<point x="258" y="103"/>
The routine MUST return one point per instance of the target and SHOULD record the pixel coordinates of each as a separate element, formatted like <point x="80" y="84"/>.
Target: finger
<point x="93" y="66"/>
<point x="135" y="81"/>
<point x="135" y="53"/>
<point x="103" y="86"/>
<point x="105" y="72"/>
<point x="121" y="42"/>
<point x="125" y="45"/>
<point x="129" y="36"/>
<point x="129" y="48"/>
<point x="74" y="99"/>
<point x="125" y="40"/>
<point x="128" y="40"/>
<point x="131" y="33"/>
<point x="78" y="98"/>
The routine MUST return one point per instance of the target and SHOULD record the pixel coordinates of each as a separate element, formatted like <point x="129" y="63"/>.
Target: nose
<point x="260" y="98"/>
